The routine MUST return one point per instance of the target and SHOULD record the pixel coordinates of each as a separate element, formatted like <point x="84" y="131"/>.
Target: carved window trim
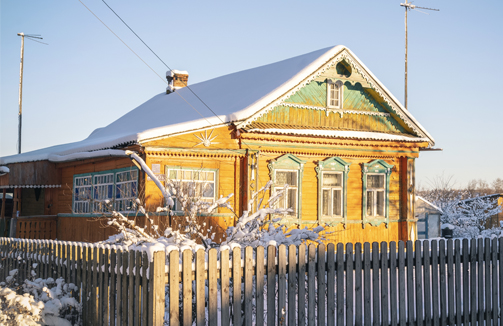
<point x="376" y="167"/>
<point x="333" y="164"/>
<point x="289" y="162"/>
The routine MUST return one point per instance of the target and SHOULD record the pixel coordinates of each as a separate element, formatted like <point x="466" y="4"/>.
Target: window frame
<point x="376" y="167"/>
<point x="333" y="165"/>
<point x="288" y="162"/>
<point x="92" y="201"/>
<point x="339" y="89"/>
<point x="167" y="169"/>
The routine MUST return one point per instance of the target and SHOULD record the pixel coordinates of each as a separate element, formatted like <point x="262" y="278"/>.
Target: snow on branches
<point x="468" y="217"/>
<point x="251" y="229"/>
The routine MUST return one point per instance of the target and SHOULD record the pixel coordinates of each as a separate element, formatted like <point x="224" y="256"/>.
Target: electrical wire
<point x="148" y="47"/>
<point x="187" y="86"/>
<point x="146" y="63"/>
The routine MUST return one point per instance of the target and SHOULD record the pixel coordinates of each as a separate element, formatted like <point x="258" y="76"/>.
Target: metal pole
<point x="20" y="92"/>
<point x="406" y="42"/>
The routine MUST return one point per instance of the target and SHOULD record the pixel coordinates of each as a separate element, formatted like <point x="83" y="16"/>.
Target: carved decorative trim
<point x="376" y="166"/>
<point x="341" y="112"/>
<point x="346" y="56"/>
<point x="333" y="164"/>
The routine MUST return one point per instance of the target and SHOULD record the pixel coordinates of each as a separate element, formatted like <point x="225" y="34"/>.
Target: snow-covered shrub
<point x="16" y="309"/>
<point x="252" y="229"/>
<point x="44" y="302"/>
<point x="468" y="217"/>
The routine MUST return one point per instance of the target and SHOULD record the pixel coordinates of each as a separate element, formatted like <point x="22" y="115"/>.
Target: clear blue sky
<point x="85" y="78"/>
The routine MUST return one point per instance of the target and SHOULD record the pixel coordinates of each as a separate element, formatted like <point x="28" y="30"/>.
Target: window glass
<point x="375" y="181"/>
<point x="332" y="193"/>
<point x="337" y="203"/>
<point x="332" y="179"/>
<point x="91" y="193"/>
<point x="196" y="184"/>
<point x="289" y="199"/>
<point x="325" y="201"/>
<point x="375" y="195"/>
<point x="370" y="203"/>
<point x="380" y="203"/>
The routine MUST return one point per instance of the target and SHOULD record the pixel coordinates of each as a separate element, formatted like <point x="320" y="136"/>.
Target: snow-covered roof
<point x="236" y="97"/>
<point x="429" y="203"/>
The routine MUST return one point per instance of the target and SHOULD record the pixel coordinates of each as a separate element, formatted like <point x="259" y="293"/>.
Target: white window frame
<point x="125" y="201"/>
<point x="187" y="181"/>
<point x="95" y="202"/>
<point x="331" y="190"/>
<point x="374" y="192"/>
<point x="101" y="195"/>
<point x="285" y="198"/>
<point x="332" y="88"/>
<point x="82" y="206"/>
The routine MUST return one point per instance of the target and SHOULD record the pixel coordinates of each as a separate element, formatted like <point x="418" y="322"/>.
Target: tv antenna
<point x="409" y="6"/>
<point x="32" y="37"/>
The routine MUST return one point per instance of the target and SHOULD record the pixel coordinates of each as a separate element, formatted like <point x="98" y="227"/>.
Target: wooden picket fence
<point x="421" y="283"/>
<point x="115" y="283"/>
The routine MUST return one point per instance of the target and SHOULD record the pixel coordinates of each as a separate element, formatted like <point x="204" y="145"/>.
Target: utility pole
<point x="408" y="6"/>
<point x="20" y="115"/>
<point x="32" y="37"/>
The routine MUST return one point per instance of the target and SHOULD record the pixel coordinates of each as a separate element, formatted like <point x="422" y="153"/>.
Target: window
<point x="196" y="184"/>
<point x="332" y="175"/>
<point x="288" y="170"/>
<point x="289" y="199"/>
<point x="334" y="94"/>
<point x="82" y="194"/>
<point x="375" y="194"/>
<point x="376" y="178"/>
<point x="125" y="190"/>
<point x="92" y="192"/>
<point x="332" y="194"/>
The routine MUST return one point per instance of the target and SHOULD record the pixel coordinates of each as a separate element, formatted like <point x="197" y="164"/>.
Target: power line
<point x="122" y="20"/>
<point x="145" y="62"/>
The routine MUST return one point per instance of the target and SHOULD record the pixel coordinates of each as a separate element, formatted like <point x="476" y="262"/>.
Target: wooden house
<point x="320" y="122"/>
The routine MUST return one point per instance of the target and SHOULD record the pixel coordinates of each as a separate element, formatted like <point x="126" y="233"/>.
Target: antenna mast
<point x="408" y="6"/>
<point x="30" y="37"/>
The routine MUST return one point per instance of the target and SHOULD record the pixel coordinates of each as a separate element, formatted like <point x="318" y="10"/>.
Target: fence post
<point x="158" y="302"/>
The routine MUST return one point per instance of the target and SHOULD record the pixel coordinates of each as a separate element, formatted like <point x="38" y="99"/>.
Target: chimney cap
<point x="172" y="73"/>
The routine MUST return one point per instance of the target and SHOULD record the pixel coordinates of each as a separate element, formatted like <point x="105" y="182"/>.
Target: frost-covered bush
<point x="467" y="218"/>
<point x="18" y="309"/>
<point x="43" y="302"/>
<point x="252" y="229"/>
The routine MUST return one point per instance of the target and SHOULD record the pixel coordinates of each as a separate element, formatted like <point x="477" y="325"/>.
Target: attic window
<point x="334" y="94"/>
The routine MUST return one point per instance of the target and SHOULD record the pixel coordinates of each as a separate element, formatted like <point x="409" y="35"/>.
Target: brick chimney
<point x="177" y="79"/>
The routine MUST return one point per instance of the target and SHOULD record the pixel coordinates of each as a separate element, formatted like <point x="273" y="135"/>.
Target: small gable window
<point x="288" y="170"/>
<point x="332" y="175"/>
<point x="334" y="94"/>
